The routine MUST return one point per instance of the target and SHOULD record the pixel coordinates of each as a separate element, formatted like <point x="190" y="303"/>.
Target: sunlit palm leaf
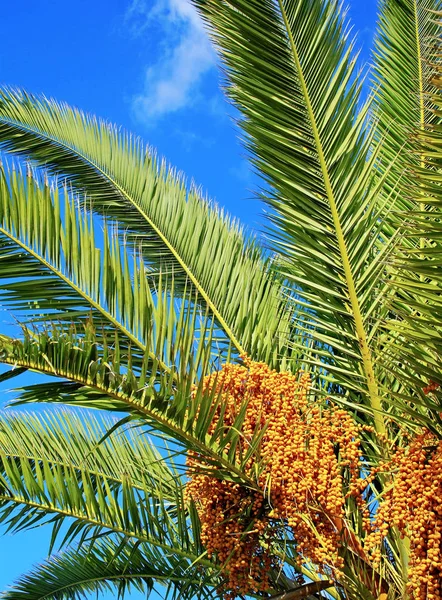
<point x="47" y="482"/>
<point x="52" y="268"/>
<point x="175" y="229"/>
<point x="155" y="338"/>
<point x="170" y="403"/>
<point x="78" y="439"/>
<point x="100" y="491"/>
<point x="291" y="72"/>
<point x="116" y="498"/>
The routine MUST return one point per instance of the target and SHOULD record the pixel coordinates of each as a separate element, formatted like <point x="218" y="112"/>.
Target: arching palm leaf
<point x="290" y="69"/>
<point x="172" y="404"/>
<point x="112" y="565"/>
<point x="112" y="500"/>
<point x="141" y="348"/>
<point x="56" y="470"/>
<point x="175" y="230"/>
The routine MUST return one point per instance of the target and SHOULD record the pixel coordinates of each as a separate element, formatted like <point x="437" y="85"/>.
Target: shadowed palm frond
<point x="404" y="44"/>
<point x="114" y="565"/>
<point x="404" y="109"/>
<point x="420" y="262"/>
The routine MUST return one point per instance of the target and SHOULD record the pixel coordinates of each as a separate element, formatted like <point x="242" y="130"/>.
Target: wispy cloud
<point x="173" y="81"/>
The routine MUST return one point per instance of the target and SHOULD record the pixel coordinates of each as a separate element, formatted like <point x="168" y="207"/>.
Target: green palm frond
<point x="109" y="502"/>
<point x="99" y="315"/>
<point x="113" y="565"/>
<point x="78" y="438"/>
<point x="406" y="115"/>
<point x="292" y="74"/>
<point x="420" y="272"/>
<point x="54" y="270"/>
<point x="177" y="231"/>
<point x="100" y="492"/>
<point x="55" y="470"/>
<point x="338" y="220"/>
<point x="173" y="404"/>
<point x="57" y="255"/>
<point x="406" y="34"/>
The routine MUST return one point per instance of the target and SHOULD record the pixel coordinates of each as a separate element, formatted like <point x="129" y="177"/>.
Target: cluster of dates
<point x="301" y="481"/>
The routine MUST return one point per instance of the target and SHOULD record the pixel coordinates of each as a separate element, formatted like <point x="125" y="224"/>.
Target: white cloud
<point x="172" y="82"/>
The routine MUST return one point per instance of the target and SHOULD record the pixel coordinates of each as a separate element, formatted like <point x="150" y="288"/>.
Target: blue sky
<point x="148" y="66"/>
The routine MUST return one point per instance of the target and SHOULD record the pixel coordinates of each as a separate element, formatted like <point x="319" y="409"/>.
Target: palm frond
<point x="57" y="471"/>
<point x="115" y="565"/>
<point x="171" y="403"/>
<point x="405" y="111"/>
<point x="53" y="270"/>
<point x="404" y="42"/>
<point x="291" y="71"/>
<point x="69" y="438"/>
<point x="98" y="314"/>
<point x="99" y="492"/>
<point x="176" y="230"/>
<point x="419" y="264"/>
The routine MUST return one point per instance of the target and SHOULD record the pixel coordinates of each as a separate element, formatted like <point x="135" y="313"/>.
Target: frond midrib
<point x="419" y="65"/>
<point x="420" y="96"/>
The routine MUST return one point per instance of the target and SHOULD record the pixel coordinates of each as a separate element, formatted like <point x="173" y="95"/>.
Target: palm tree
<point x="133" y="293"/>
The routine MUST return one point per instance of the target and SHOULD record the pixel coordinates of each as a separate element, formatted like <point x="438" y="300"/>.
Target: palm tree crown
<point x="281" y="406"/>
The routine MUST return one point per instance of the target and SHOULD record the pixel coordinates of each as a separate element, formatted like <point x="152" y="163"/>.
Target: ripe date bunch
<point x="305" y="449"/>
<point x="413" y="505"/>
